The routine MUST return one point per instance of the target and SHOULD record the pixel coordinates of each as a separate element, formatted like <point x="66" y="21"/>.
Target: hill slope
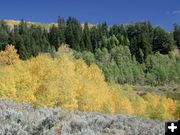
<point x="12" y="23"/>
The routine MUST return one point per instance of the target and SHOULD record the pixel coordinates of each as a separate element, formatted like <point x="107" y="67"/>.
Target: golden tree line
<point x="71" y="84"/>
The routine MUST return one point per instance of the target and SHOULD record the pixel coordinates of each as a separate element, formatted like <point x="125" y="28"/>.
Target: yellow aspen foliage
<point x="95" y="73"/>
<point x="177" y="112"/>
<point x="26" y="84"/>
<point x="71" y="84"/>
<point x="154" y="109"/>
<point x="56" y="81"/>
<point x="9" y="56"/>
<point x="152" y="99"/>
<point x="7" y="83"/>
<point x="155" y="112"/>
<point x="160" y="107"/>
<point x="7" y="87"/>
<point x="93" y="92"/>
<point x="137" y="102"/>
<point x="170" y="108"/>
<point x="122" y="103"/>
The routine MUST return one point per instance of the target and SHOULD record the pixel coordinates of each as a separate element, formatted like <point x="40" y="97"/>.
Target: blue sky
<point x="159" y="12"/>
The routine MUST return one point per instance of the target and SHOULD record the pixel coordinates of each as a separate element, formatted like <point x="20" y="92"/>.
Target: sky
<point x="159" y="12"/>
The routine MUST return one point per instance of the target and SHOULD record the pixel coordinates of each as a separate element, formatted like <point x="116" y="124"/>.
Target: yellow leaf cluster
<point x="9" y="55"/>
<point x="160" y="107"/>
<point x="71" y="84"/>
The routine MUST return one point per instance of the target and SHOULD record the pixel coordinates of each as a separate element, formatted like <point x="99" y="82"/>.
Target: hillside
<point x="12" y="23"/>
<point x="71" y="84"/>
<point x="128" y="53"/>
<point x="89" y="67"/>
<point x="70" y="78"/>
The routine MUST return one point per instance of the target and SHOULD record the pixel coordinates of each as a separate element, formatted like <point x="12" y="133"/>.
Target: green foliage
<point x="117" y="64"/>
<point x="88" y="57"/>
<point x="176" y="34"/>
<point x="71" y="84"/>
<point x="162" y="41"/>
<point x="162" y="69"/>
<point x="73" y="33"/>
<point x="86" y="39"/>
<point x="54" y="38"/>
<point x="156" y="112"/>
<point x="125" y="53"/>
<point x="3" y="38"/>
<point x="140" y="37"/>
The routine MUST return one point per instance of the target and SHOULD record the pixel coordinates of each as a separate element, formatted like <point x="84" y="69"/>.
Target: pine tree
<point x="61" y="27"/>
<point x="54" y="37"/>
<point x="73" y="33"/>
<point x="86" y="38"/>
<point x="176" y="34"/>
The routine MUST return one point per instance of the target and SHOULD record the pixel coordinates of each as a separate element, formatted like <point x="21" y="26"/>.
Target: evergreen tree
<point x="22" y="27"/>
<point x="162" y="41"/>
<point x="61" y="27"/>
<point x="86" y="38"/>
<point x="95" y="38"/>
<point x="176" y="34"/>
<point x="54" y="37"/>
<point x="4" y="36"/>
<point x="140" y="36"/>
<point x="73" y="33"/>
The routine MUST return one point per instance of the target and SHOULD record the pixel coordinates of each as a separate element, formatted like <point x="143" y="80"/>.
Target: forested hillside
<point x="137" y="53"/>
<point x="91" y="68"/>
<point x="63" y="81"/>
